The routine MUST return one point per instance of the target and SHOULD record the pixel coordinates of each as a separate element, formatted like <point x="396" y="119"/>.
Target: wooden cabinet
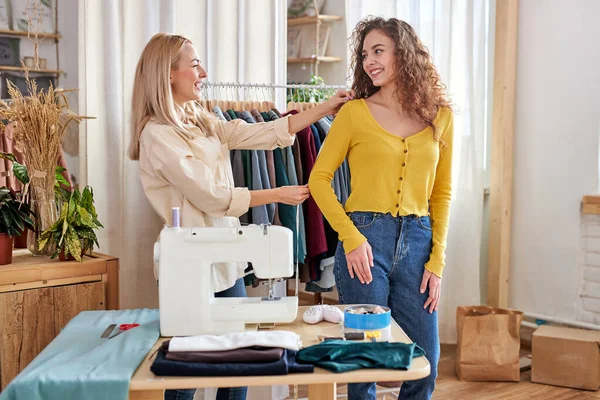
<point x="38" y="296"/>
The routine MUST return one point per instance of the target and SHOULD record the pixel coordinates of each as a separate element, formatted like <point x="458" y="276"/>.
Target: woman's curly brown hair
<point x="419" y="87"/>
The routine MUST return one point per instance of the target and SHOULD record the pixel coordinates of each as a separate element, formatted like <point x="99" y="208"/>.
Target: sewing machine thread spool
<point x="176" y="217"/>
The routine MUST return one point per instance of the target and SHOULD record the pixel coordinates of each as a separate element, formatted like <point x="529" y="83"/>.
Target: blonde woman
<point x="184" y="154"/>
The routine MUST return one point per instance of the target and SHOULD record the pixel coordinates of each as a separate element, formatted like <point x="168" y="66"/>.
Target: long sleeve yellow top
<point x="389" y="174"/>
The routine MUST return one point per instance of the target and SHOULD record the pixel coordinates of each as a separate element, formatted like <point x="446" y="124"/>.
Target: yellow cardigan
<point x="389" y="174"/>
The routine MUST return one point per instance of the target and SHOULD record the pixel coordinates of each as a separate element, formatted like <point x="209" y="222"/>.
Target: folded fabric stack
<point x="234" y="354"/>
<point x="344" y="356"/>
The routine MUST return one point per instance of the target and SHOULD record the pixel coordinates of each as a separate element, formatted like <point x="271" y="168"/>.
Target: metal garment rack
<point x="262" y="91"/>
<point x="243" y="91"/>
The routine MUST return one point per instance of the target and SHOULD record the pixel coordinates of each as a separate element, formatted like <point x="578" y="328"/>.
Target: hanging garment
<point x="270" y="174"/>
<point x="287" y="213"/>
<point x="316" y="137"/>
<point x="232" y="114"/>
<point x="340" y="185"/>
<point x="246" y="116"/>
<point x="273" y="181"/>
<point x="256" y="114"/>
<point x="290" y="165"/>
<point x="217" y="110"/>
<point x="316" y="245"/>
<point x="260" y="214"/>
<point x="298" y="162"/>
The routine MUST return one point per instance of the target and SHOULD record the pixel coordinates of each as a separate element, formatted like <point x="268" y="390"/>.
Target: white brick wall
<point x="589" y="305"/>
<point x="591" y="274"/>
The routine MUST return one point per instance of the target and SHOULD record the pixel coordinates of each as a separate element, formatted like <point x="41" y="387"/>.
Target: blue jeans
<point x="239" y="393"/>
<point x="401" y="247"/>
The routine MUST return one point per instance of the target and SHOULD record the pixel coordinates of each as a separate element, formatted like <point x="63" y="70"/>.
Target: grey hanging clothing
<point x="258" y="162"/>
<point x="217" y="110"/>
<point x="290" y="166"/>
<point x="273" y="182"/>
<point x="266" y="182"/>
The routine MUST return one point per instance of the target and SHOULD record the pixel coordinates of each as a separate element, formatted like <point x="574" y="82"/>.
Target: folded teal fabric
<point x="78" y="364"/>
<point x="344" y="356"/>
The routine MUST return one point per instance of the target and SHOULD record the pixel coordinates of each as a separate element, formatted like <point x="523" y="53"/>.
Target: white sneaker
<point x="313" y="315"/>
<point x="332" y="314"/>
<point x="320" y="312"/>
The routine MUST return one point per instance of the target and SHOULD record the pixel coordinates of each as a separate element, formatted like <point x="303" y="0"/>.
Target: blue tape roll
<point x="366" y="321"/>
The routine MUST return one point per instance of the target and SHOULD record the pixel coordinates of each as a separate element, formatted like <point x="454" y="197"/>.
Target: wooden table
<point x="321" y="384"/>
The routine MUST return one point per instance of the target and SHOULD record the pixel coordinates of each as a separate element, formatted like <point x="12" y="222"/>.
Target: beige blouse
<point x="193" y="171"/>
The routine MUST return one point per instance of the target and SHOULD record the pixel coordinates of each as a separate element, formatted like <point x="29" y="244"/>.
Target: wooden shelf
<point x="24" y="34"/>
<point x="313" y="20"/>
<point x="591" y="204"/>
<point x="31" y="70"/>
<point x="313" y="60"/>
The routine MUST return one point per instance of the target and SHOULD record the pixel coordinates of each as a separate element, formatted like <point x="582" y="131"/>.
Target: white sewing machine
<point x="186" y="300"/>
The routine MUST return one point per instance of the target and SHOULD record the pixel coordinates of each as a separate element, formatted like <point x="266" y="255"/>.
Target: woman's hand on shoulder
<point x="335" y="102"/>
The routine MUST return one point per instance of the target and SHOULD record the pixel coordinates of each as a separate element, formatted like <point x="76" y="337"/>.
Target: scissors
<point x="123" y="328"/>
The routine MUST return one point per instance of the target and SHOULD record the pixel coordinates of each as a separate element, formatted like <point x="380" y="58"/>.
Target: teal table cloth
<point x="78" y="364"/>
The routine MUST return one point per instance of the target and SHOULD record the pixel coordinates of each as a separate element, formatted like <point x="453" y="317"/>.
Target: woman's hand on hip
<point x="335" y="102"/>
<point x="292" y="195"/>
<point x="434" y="283"/>
<point x="359" y="262"/>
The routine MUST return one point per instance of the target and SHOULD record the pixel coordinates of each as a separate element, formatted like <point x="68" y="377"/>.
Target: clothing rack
<point x="234" y="99"/>
<point x="276" y="93"/>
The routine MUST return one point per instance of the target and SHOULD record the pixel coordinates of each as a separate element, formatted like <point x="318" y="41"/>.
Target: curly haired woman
<point x="397" y="135"/>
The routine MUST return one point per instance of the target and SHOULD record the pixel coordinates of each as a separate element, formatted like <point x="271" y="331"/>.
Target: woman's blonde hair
<point x="152" y="96"/>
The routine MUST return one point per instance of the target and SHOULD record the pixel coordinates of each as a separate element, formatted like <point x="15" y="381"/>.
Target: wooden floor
<point x="448" y="387"/>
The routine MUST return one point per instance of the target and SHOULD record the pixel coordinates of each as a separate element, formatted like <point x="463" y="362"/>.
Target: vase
<point x="6" y="243"/>
<point x="46" y="214"/>
<point x="21" y="240"/>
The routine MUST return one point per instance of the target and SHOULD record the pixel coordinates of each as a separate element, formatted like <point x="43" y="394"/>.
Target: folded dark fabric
<point x="344" y="356"/>
<point x="245" y="355"/>
<point x="286" y="364"/>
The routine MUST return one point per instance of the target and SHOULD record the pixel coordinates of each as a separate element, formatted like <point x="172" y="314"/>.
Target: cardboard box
<point x="566" y="357"/>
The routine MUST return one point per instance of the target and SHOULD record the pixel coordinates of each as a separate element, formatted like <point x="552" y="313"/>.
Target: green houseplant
<point x="19" y="171"/>
<point x="15" y="216"/>
<point x="15" y="213"/>
<point x="72" y="235"/>
<point x="308" y="95"/>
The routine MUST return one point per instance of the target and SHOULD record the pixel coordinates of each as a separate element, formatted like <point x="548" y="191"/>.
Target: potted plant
<point x="19" y="171"/>
<point x="72" y="235"/>
<point x="15" y="216"/>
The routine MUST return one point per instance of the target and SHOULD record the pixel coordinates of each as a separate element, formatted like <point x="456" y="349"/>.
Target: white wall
<point x="555" y="151"/>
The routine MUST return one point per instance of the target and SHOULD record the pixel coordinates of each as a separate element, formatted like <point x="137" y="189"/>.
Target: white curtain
<point x="456" y="34"/>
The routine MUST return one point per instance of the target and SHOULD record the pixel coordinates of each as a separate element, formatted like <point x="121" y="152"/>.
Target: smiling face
<point x="378" y="59"/>
<point x="187" y="76"/>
